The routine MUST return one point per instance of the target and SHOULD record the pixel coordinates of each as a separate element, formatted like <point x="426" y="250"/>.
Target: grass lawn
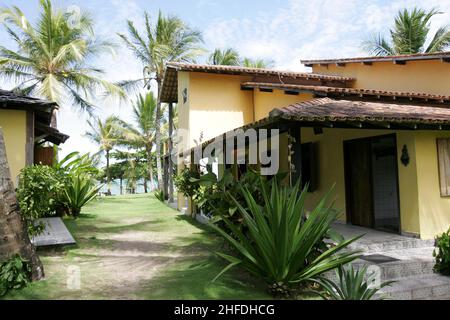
<point x="134" y="247"/>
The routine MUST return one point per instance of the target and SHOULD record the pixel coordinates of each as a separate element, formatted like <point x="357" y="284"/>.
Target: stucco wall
<point x="13" y="123"/>
<point x="432" y="76"/>
<point x="434" y="209"/>
<point x="265" y="102"/>
<point x="331" y="171"/>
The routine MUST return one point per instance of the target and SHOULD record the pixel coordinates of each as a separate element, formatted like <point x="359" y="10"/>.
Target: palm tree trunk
<point x="108" y="175"/>
<point x="13" y="231"/>
<point x="170" y="153"/>
<point x="158" y="137"/>
<point x="145" y="185"/>
<point x="150" y="167"/>
<point x="121" y="186"/>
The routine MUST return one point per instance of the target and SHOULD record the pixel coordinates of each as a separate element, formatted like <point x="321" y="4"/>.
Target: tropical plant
<point x="79" y="192"/>
<point x="142" y="134"/>
<point x="409" y="35"/>
<point x="159" y="195"/>
<point x="226" y="57"/>
<point x="75" y="164"/>
<point x="351" y="285"/>
<point x="52" y="56"/>
<point x="38" y="193"/>
<point x="106" y="134"/>
<point x="168" y="39"/>
<point x="442" y="253"/>
<point x="183" y="181"/>
<point x="279" y="246"/>
<point x="256" y="63"/>
<point x="15" y="273"/>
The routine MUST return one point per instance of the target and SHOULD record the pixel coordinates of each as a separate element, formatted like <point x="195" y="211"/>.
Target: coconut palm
<point x="52" y="55"/>
<point x="409" y="35"/>
<point x="256" y="63"/>
<point x="141" y="134"/>
<point x="168" y="39"/>
<point x="106" y="134"/>
<point x="226" y="57"/>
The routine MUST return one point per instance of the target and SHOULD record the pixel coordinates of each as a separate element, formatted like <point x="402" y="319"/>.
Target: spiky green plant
<point x="79" y="192"/>
<point x="351" y="285"/>
<point x="52" y="56"/>
<point x="279" y="245"/>
<point x="409" y="35"/>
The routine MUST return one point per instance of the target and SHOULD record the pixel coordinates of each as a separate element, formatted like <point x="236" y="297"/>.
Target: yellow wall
<point x="13" y="123"/>
<point x="331" y="171"/>
<point x="265" y="102"/>
<point x="434" y="209"/>
<point x="432" y="76"/>
<point x="217" y="105"/>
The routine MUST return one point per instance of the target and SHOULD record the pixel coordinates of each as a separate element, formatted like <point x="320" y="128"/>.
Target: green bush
<point x="183" y="182"/>
<point x="78" y="192"/>
<point x="39" y="192"/>
<point x="442" y="253"/>
<point x="14" y="274"/>
<point x="280" y="245"/>
<point x="159" y="195"/>
<point x="351" y="285"/>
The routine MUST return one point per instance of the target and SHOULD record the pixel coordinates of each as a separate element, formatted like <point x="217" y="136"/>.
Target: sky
<point x="281" y="31"/>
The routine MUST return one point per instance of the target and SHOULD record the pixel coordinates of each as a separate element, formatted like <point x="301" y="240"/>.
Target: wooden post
<point x="170" y="152"/>
<point x="13" y="232"/>
<point x="296" y="158"/>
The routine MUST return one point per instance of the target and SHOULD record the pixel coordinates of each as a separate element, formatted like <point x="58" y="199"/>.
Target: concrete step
<point x="395" y="245"/>
<point x="418" y="288"/>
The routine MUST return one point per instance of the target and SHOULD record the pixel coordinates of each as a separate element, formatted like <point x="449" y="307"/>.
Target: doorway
<point x="371" y="180"/>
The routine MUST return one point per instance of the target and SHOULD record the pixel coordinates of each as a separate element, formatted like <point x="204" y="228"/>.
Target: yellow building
<point x="26" y="126"/>
<point x="377" y="128"/>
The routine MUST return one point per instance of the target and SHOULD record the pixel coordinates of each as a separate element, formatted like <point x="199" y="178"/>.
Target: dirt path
<point x="137" y="248"/>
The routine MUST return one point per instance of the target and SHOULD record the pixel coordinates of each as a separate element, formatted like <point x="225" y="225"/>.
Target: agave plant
<point x="159" y="195"/>
<point x="79" y="193"/>
<point x="351" y="285"/>
<point x="280" y="244"/>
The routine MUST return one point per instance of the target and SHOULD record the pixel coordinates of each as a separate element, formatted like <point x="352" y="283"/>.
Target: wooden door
<point x="358" y="180"/>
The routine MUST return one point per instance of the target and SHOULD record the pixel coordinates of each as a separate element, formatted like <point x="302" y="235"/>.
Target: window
<point x="443" y="146"/>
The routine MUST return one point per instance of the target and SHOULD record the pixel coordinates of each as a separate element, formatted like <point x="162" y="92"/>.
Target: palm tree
<point x="169" y="39"/>
<point x="227" y="57"/>
<point x="256" y="63"/>
<point x="106" y="134"/>
<point x="142" y="134"/>
<point x="52" y="55"/>
<point x="409" y="35"/>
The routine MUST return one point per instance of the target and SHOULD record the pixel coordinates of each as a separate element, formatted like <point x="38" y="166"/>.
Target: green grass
<point x="134" y="247"/>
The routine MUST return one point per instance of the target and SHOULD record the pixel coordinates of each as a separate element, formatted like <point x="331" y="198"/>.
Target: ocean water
<point x="115" y="187"/>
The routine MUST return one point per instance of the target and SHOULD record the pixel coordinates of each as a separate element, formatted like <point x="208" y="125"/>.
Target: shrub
<point x="442" y="253"/>
<point x="14" y="274"/>
<point x="351" y="285"/>
<point x="280" y="244"/>
<point x="79" y="192"/>
<point x="159" y="195"/>
<point x="183" y="182"/>
<point x="39" y="191"/>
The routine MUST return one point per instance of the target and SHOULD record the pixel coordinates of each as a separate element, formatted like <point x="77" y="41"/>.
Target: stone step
<point x="385" y="246"/>
<point x="418" y="288"/>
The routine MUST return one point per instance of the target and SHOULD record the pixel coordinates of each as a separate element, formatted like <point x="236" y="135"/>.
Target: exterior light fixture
<point x="405" y="156"/>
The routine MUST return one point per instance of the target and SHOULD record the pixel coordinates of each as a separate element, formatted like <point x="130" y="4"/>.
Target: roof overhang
<point x="47" y="133"/>
<point x="169" y="88"/>
<point x="331" y="113"/>
<point x="347" y="93"/>
<point x="397" y="59"/>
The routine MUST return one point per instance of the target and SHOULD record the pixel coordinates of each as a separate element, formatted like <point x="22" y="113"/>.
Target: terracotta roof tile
<point x="326" y="109"/>
<point x="444" y="56"/>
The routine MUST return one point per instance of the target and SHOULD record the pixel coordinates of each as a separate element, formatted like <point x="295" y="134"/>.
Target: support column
<point x="170" y="152"/>
<point x="296" y="157"/>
